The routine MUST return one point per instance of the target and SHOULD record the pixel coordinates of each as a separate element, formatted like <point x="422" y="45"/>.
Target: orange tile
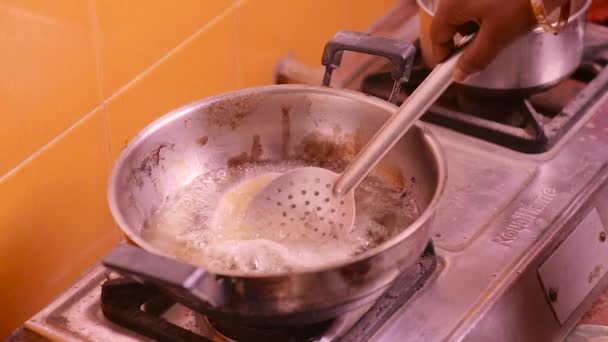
<point x="204" y="66"/>
<point x="135" y="34"/>
<point x="269" y="30"/>
<point x="54" y="220"/>
<point x="48" y="73"/>
<point x="362" y="13"/>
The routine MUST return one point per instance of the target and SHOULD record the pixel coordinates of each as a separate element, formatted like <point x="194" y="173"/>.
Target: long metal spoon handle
<point x="394" y="128"/>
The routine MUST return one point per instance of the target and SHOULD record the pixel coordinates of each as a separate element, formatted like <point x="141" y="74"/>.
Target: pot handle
<point x="400" y="54"/>
<point x="181" y="279"/>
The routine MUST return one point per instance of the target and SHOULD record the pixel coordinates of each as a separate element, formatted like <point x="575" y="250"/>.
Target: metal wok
<point x="272" y="123"/>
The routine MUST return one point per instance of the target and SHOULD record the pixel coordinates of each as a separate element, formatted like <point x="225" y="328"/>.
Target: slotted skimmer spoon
<point x="315" y="202"/>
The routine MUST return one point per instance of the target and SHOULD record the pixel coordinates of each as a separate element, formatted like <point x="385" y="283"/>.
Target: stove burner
<point x="530" y="123"/>
<point x="139" y="307"/>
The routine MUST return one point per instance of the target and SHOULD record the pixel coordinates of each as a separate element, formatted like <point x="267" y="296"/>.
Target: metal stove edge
<point x="575" y="163"/>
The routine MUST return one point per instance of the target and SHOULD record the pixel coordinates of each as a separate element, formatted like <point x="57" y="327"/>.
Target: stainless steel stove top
<point x="500" y="222"/>
<point x="520" y="241"/>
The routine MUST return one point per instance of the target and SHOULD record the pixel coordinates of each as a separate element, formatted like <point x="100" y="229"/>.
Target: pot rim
<point x="422" y="4"/>
<point x="433" y="144"/>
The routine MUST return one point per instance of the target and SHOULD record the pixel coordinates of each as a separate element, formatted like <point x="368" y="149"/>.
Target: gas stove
<point x="519" y="248"/>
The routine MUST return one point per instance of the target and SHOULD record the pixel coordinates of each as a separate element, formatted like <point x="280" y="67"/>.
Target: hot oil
<point x="201" y="223"/>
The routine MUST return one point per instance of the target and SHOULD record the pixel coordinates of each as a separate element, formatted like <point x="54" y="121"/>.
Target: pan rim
<point x="435" y="151"/>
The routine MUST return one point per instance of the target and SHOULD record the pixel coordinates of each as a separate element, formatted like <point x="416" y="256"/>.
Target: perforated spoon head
<point x="300" y="204"/>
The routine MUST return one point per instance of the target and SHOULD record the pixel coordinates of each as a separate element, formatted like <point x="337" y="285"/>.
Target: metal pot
<point x="532" y="63"/>
<point x="270" y="123"/>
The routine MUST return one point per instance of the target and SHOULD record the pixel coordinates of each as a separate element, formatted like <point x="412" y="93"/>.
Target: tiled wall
<point x="78" y="78"/>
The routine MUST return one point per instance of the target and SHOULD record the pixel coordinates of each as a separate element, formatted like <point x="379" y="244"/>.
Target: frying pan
<point x="275" y="123"/>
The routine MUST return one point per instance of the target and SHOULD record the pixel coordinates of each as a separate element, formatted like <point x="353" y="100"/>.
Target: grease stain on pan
<point x="254" y="156"/>
<point x="229" y="113"/>
<point x="202" y="141"/>
<point x="147" y="165"/>
<point x="285" y="131"/>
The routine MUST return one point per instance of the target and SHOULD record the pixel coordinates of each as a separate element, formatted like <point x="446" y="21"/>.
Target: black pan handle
<point x="181" y="279"/>
<point x="400" y="54"/>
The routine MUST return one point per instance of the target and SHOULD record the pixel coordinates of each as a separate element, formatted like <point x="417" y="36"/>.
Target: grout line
<point x="106" y="126"/>
<point x="99" y="245"/>
<point x="48" y="144"/>
<point x="169" y="53"/>
<point x="102" y="105"/>
<point x="97" y="46"/>
<point x="98" y="43"/>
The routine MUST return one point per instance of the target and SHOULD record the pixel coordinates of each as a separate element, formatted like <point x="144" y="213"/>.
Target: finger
<point x="443" y="29"/>
<point x="459" y="75"/>
<point x="484" y="48"/>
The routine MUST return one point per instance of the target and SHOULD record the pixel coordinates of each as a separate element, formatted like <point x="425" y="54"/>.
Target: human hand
<point x="498" y="22"/>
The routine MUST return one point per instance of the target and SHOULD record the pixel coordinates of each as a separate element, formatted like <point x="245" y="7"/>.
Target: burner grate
<point x="525" y="123"/>
<point x="138" y="307"/>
